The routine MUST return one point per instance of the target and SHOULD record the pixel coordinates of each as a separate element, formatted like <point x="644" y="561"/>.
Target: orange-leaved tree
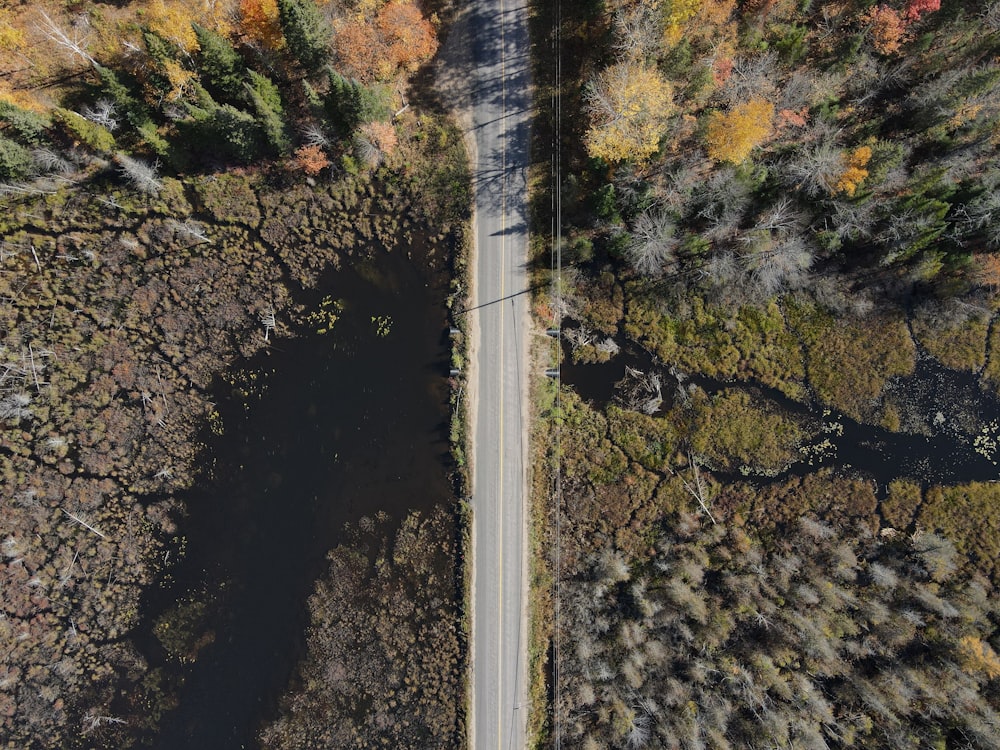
<point x="888" y="28"/>
<point x="260" y="21"/>
<point x="988" y="270"/>
<point x="382" y="135"/>
<point x="732" y="136"/>
<point x="311" y="159"/>
<point x="378" y="45"/>
<point x="629" y="105"/>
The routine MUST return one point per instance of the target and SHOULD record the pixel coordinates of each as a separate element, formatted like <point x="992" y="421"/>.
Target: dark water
<point x="943" y="412"/>
<point x="341" y="425"/>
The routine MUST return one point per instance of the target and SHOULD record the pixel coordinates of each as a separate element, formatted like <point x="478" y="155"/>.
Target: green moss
<point x="182" y="632"/>
<point x="773" y="508"/>
<point x="230" y="198"/>
<point x="734" y="433"/>
<point x="991" y="372"/>
<point x="601" y="301"/>
<point x="850" y="362"/>
<point x="650" y="441"/>
<point x="587" y="452"/>
<point x="753" y="344"/>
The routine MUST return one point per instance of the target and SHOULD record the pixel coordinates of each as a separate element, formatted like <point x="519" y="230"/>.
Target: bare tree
<point x="92" y="721"/>
<point x="141" y="175"/>
<point x="192" y="230"/>
<point x="779" y="265"/>
<point x="721" y="201"/>
<point x="782" y="218"/>
<point x="815" y="170"/>
<point x="991" y="16"/>
<point x="640" y="391"/>
<point x="83" y="523"/>
<point x="652" y="250"/>
<point x="637" y="31"/>
<point x="984" y="214"/>
<point x="103" y="113"/>
<point x="751" y="77"/>
<point x="47" y="160"/>
<point x="14" y="407"/>
<point x="267" y="319"/>
<point x="367" y="152"/>
<point x="697" y="488"/>
<point x="74" y="40"/>
<point x="313" y="135"/>
<point x="853" y="220"/>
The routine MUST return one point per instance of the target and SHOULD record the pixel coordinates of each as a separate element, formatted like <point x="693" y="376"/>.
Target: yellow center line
<point x="503" y="260"/>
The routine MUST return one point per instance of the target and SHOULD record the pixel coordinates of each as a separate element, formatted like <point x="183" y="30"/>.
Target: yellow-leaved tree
<point x="629" y="104"/>
<point x="676" y="14"/>
<point x="976" y="655"/>
<point x="172" y="19"/>
<point x="854" y="170"/>
<point x="733" y="135"/>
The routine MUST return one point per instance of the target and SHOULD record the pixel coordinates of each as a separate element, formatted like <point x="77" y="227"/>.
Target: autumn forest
<point x="181" y="181"/>
<point x="766" y="510"/>
<point x="772" y="505"/>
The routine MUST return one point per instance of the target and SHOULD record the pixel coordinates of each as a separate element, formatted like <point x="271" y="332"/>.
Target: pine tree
<point x="133" y="108"/>
<point x="28" y="127"/>
<point x="307" y="33"/>
<point x="238" y="132"/>
<point x="221" y="67"/>
<point x="15" y="161"/>
<point x="267" y="104"/>
<point x="350" y="103"/>
<point x="81" y="130"/>
<point x="159" y="49"/>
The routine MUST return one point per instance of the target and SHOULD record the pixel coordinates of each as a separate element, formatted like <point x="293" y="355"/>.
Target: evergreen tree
<point x="81" y="130"/>
<point x="136" y="112"/>
<point x="266" y="102"/>
<point x="125" y="100"/>
<point x="15" y="161"/>
<point x="220" y="65"/>
<point x="237" y="132"/>
<point x="159" y="49"/>
<point x="307" y="33"/>
<point x="28" y="127"/>
<point x="350" y="103"/>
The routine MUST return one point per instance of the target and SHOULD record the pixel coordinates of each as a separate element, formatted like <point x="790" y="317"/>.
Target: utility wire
<point x="557" y="277"/>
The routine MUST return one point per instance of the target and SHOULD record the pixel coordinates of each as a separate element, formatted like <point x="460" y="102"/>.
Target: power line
<point x="557" y="278"/>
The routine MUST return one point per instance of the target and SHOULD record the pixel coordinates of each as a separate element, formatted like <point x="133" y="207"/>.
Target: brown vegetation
<point x="384" y="661"/>
<point x="119" y="311"/>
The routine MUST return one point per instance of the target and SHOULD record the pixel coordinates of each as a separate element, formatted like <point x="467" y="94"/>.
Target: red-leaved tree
<point x="916" y="8"/>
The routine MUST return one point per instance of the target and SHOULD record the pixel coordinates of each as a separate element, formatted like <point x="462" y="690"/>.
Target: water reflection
<point x="337" y="426"/>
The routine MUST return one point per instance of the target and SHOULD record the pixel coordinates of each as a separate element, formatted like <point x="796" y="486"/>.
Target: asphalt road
<point x="500" y="103"/>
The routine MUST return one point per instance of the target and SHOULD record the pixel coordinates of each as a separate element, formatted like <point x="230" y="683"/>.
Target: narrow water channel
<point x="340" y="425"/>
